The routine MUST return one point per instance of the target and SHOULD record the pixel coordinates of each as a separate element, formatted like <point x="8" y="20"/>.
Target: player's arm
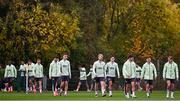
<point x="69" y="66"/>
<point x="105" y="70"/>
<point x="21" y="68"/>
<point x="164" y="72"/>
<point x="33" y="69"/>
<point x="155" y="71"/>
<point x="5" y="74"/>
<point x="60" y="68"/>
<point x="134" y="70"/>
<point x="94" y="67"/>
<point x="117" y="70"/>
<point x="50" y="71"/>
<point x="142" y="72"/>
<point x="42" y="71"/>
<point x="124" y="71"/>
<point x="89" y="73"/>
<point x="15" y="71"/>
<point x="177" y="73"/>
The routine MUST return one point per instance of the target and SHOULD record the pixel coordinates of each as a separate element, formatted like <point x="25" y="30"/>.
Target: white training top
<point x="111" y="69"/>
<point x="138" y="72"/>
<point x="99" y="69"/>
<point x="65" y="68"/>
<point x="83" y="73"/>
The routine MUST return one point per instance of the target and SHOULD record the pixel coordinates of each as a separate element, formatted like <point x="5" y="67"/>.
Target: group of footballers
<point x="100" y="73"/>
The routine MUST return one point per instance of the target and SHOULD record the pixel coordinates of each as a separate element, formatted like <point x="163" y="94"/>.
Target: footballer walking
<point x="170" y="74"/>
<point x="111" y="69"/>
<point x="149" y="74"/>
<point x="100" y="74"/>
<point x="65" y="69"/>
<point x="129" y="73"/>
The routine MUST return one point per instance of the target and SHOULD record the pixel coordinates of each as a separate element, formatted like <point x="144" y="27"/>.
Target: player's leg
<point x="127" y="90"/>
<point x="96" y="87"/>
<point x="172" y="88"/>
<point x="138" y="82"/>
<point x="66" y="88"/>
<point x="79" y="85"/>
<point x="35" y="84"/>
<point x="151" y="85"/>
<point x="62" y="85"/>
<point x="40" y="85"/>
<point x="168" y="84"/>
<point x="110" y="87"/>
<point x="30" y="84"/>
<point x="127" y="87"/>
<point x="56" y="84"/>
<point x="66" y="81"/>
<point x="87" y="86"/>
<point x="103" y="87"/>
<point x="6" y="84"/>
<point x="147" y="88"/>
<point x="11" y="84"/>
<point x="133" y="87"/>
<point x="92" y="84"/>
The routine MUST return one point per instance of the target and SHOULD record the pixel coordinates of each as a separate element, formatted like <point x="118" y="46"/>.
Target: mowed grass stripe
<point x="117" y="95"/>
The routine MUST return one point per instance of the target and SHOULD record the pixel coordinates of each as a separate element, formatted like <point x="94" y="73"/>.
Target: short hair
<point x="29" y="60"/>
<point x="130" y="56"/>
<point x="100" y="54"/>
<point x="171" y="57"/>
<point x="65" y="53"/>
<point x="38" y="59"/>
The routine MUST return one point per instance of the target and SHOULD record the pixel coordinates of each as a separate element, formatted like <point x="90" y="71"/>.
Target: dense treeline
<point x="83" y="28"/>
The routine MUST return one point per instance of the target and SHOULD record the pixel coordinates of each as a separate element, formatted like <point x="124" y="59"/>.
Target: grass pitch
<point x="83" y="96"/>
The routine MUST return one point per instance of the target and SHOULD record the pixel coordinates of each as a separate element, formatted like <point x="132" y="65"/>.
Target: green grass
<point x="117" y="95"/>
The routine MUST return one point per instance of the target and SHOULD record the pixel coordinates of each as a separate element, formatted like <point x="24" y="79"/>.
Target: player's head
<point x="90" y="66"/>
<point x="131" y="58"/>
<point x="55" y="59"/>
<point x="112" y="59"/>
<point x="170" y="59"/>
<point x="29" y="61"/>
<point x="100" y="57"/>
<point x="83" y="65"/>
<point x="65" y="56"/>
<point x="39" y="61"/>
<point x="9" y="62"/>
<point x="22" y="62"/>
<point x="148" y="59"/>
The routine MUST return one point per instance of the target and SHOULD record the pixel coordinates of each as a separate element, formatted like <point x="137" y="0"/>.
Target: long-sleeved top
<point x="10" y="71"/>
<point x="38" y="70"/>
<point x="83" y="73"/>
<point x="54" y="69"/>
<point x="99" y="69"/>
<point x="129" y="69"/>
<point x="65" y="68"/>
<point x="138" y="72"/>
<point x="148" y="71"/>
<point x="30" y="69"/>
<point x="91" y="73"/>
<point x="111" y="69"/>
<point x="170" y="71"/>
<point x="22" y="70"/>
